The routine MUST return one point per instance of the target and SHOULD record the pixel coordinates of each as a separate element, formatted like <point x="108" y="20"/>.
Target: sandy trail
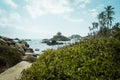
<point x="14" y="72"/>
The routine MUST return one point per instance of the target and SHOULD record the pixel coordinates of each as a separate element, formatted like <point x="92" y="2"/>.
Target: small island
<point x="56" y="39"/>
<point x="60" y="37"/>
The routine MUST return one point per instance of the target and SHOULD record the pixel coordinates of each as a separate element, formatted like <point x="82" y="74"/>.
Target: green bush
<point x="96" y="59"/>
<point x="8" y="56"/>
<point x="117" y="35"/>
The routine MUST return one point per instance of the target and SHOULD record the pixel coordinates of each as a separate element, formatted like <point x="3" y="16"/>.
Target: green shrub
<point x="117" y="35"/>
<point x="96" y="59"/>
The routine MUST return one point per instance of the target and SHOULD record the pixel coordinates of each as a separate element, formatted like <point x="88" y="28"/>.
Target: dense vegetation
<point x="96" y="59"/>
<point x="8" y="57"/>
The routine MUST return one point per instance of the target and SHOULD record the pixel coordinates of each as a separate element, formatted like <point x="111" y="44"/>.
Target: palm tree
<point x="102" y="19"/>
<point x="109" y="15"/>
<point x="105" y="20"/>
<point x="116" y="26"/>
<point x="90" y="34"/>
<point x="102" y="23"/>
<point x="95" y="26"/>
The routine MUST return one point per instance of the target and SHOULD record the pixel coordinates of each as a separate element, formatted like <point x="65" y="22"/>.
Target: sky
<point x="38" y="19"/>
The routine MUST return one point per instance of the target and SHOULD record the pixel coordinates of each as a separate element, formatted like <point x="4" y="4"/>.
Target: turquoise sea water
<point x="36" y="44"/>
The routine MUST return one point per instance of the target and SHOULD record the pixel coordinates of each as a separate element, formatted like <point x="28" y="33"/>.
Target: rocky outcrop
<point x="60" y="37"/>
<point x="54" y="42"/>
<point x="12" y="51"/>
<point x="45" y="40"/>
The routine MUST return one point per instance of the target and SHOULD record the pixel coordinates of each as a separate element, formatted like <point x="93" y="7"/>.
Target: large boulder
<point x="20" y="47"/>
<point x="10" y="43"/>
<point x="30" y="50"/>
<point x="29" y="58"/>
<point x="23" y="47"/>
<point x="2" y="42"/>
<point x="24" y="42"/>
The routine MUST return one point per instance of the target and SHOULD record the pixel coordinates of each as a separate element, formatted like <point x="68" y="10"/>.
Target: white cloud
<point x="74" y="20"/>
<point x="87" y="1"/>
<point x="2" y="12"/>
<point x="15" y="17"/>
<point x="93" y="13"/>
<point x="40" y="7"/>
<point x="11" y="3"/>
<point x="82" y="3"/>
<point x="100" y="6"/>
<point x="90" y="13"/>
<point x="15" y="20"/>
<point x="12" y="20"/>
<point x="35" y="11"/>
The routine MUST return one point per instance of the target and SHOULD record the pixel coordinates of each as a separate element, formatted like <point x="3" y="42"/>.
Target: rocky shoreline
<point x="19" y="47"/>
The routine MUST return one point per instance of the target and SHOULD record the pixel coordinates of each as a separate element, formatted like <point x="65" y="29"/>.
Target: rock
<point x="27" y="39"/>
<point x="3" y="42"/>
<point x="54" y="42"/>
<point x="2" y="62"/>
<point x="45" y="41"/>
<point x="7" y="39"/>
<point x="16" y="39"/>
<point x="24" y="42"/>
<point x="29" y="58"/>
<point x="20" y="47"/>
<point x="30" y="50"/>
<point x="10" y="43"/>
<point x="37" y="49"/>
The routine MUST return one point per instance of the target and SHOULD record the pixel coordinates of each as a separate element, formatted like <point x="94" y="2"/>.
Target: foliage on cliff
<point x="96" y="59"/>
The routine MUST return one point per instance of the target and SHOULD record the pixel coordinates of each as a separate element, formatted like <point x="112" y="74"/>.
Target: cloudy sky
<point x="44" y="18"/>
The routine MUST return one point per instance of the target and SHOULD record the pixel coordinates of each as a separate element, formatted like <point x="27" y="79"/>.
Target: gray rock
<point x="30" y="50"/>
<point x="2" y="41"/>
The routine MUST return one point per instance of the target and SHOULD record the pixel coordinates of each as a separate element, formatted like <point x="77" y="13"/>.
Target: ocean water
<point x="36" y="44"/>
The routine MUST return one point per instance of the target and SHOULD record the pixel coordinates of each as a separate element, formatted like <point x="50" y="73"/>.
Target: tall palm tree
<point x="116" y="26"/>
<point x="102" y="23"/>
<point x="95" y="26"/>
<point x="102" y="19"/>
<point x="109" y="15"/>
<point x="90" y="34"/>
<point x="105" y="20"/>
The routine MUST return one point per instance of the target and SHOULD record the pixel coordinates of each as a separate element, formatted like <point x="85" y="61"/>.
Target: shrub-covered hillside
<point x="97" y="59"/>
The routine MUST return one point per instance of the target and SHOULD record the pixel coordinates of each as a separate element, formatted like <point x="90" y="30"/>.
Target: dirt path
<point x="14" y="72"/>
